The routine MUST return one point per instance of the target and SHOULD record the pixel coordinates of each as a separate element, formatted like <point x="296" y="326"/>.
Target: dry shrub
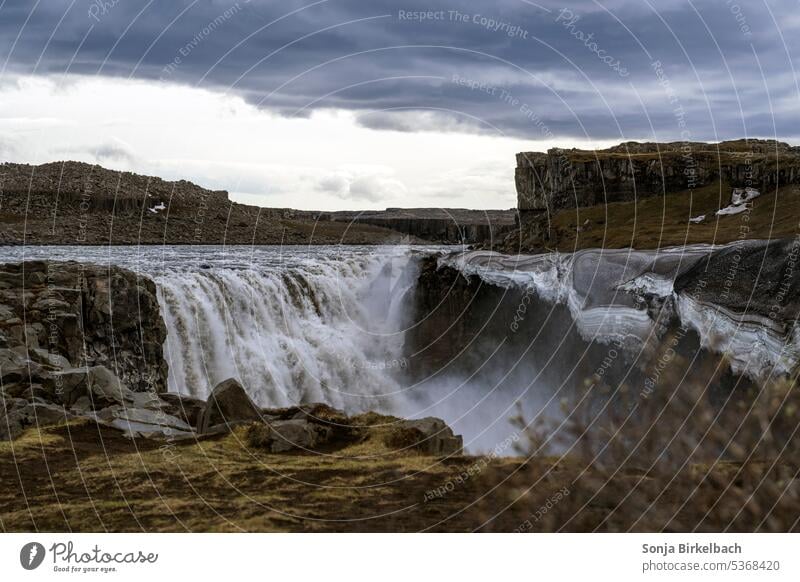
<point x="676" y="459"/>
<point x="258" y="435"/>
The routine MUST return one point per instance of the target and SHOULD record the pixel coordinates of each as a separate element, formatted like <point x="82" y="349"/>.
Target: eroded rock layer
<point x="67" y="315"/>
<point x="565" y="178"/>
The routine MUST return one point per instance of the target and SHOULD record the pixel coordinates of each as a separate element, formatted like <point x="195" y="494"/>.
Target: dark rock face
<point x="228" y="404"/>
<point x="59" y="316"/>
<point x="757" y="277"/>
<point x="548" y="182"/>
<point x="451" y="311"/>
<point x="467" y="329"/>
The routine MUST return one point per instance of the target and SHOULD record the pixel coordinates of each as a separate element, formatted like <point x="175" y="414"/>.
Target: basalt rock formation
<point x="565" y="178"/>
<point x="644" y="195"/>
<point x="595" y="316"/>
<point x="62" y="316"/>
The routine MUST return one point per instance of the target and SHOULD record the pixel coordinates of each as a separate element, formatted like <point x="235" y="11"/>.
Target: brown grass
<point x="84" y="478"/>
<point x="675" y="461"/>
<point x="664" y="221"/>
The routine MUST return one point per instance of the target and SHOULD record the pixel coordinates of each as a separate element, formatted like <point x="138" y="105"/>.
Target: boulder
<point x="228" y="404"/>
<point x="281" y="436"/>
<point x="298" y="434"/>
<point x="185" y="407"/>
<point x="25" y="415"/>
<point x="98" y="383"/>
<point x="140" y="422"/>
<point x="430" y="436"/>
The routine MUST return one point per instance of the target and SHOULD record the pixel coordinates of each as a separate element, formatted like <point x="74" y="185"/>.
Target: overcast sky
<point x="334" y="104"/>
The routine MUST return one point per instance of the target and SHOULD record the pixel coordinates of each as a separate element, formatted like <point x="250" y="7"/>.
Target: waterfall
<point x="326" y="329"/>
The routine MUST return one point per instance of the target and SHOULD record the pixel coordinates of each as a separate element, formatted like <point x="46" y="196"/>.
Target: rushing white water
<point x="316" y="330"/>
<point x="302" y="324"/>
<point x="293" y="324"/>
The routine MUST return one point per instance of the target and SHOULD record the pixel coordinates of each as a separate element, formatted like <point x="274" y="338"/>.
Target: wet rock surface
<point x="756" y="277"/>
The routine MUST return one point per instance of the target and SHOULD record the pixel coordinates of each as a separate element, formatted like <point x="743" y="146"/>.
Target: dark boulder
<point x="184" y="407"/>
<point x="228" y="404"/>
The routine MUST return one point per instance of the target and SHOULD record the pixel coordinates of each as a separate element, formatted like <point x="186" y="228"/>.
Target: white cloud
<point x="325" y="161"/>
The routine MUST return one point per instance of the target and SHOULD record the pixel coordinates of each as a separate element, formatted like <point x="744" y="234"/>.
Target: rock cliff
<point x="565" y="178"/>
<point x="442" y="225"/>
<point x="59" y="316"/>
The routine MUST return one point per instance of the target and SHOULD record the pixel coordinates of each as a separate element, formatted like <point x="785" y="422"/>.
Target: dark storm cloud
<point x="628" y="69"/>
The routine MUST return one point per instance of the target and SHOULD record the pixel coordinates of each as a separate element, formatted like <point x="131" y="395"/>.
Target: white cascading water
<point x="326" y="324"/>
<point x="320" y="328"/>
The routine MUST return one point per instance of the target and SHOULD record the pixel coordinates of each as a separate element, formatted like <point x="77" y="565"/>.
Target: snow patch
<point x="739" y="199"/>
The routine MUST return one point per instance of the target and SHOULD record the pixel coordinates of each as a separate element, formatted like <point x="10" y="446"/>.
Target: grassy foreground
<point x="81" y="477"/>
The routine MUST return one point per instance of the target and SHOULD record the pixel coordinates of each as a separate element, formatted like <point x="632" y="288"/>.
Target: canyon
<point x="401" y="375"/>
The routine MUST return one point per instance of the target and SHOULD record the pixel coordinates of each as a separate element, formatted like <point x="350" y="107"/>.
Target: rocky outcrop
<point x="587" y="314"/>
<point x="168" y="417"/>
<point x="73" y="203"/>
<point x="316" y="426"/>
<point x="58" y="319"/>
<point x="565" y="178"/>
<point x="759" y="278"/>
<point x="227" y="405"/>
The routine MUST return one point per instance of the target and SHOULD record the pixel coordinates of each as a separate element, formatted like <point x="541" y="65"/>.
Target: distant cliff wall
<point x="565" y="178"/>
<point x="442" y="225"/>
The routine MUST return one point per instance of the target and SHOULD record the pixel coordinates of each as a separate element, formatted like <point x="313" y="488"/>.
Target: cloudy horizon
<point x="342" y="105"/>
